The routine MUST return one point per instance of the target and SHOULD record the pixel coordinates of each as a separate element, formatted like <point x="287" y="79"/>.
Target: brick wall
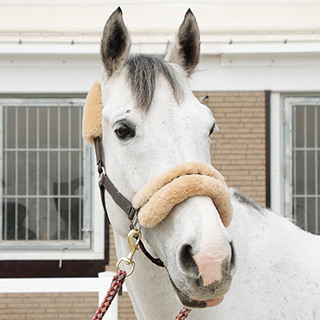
<point x="80" y="306"/>
<point x="237" y="151"/>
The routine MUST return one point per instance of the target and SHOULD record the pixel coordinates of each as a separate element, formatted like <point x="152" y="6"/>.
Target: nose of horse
<point x="207" y="266"/>
<point x="187" y="263"/>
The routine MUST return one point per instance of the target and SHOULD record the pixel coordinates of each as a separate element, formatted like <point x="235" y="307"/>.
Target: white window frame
<point x="92" y="247"/>
<point x="281" y="162"/>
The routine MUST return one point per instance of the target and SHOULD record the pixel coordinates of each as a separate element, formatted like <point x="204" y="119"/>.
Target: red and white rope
<point x="116" y="284"/>
<point x="183" y="314"/>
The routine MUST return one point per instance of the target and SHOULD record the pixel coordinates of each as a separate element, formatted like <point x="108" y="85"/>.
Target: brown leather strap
<point x="156" y="261"/>
<point x="117" y="197"/>
<point x="105" y="184"/>
<point x="99" y="153"/>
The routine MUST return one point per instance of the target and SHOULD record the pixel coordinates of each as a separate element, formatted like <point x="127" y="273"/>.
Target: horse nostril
<point x="187" y="263"/>
<point x="233" y="257"/>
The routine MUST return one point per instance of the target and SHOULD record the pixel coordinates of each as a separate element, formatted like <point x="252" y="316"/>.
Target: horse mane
<point x="249" y="202"/>
<point x="143" y="70"/>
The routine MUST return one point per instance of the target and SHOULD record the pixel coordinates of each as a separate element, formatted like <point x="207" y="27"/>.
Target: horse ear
<point x="115" y="43"/>
<point x="185" y="49"/>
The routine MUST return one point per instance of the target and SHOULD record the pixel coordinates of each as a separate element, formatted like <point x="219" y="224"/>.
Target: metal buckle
<point x="101" y="170"/>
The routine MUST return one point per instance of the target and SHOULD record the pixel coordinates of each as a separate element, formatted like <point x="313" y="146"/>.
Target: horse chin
<point x="191" y="303"/>
<point x="207" y="300"/>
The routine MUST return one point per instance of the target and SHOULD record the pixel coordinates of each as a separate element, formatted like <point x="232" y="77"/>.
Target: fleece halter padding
<point x="92" y="114"/>
<point x="157" y="198"/>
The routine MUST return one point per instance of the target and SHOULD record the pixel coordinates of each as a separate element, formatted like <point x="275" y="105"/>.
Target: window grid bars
<point x="27" y="173"/>
<point x="48" y="174"/>
<point x="69" y="172"/>
<point x="38" y="180"/>
<point x="6" y="179"/>
<point x="2" y="212"/>
<point x="306" y="196"/>
<point x="80" y="175"/>
<point x="316" y="167"/>
<point x="16" y="173"/>
<point x="27" y="195"/>
<point x="59" y="175"/>
<point x="305" y="167"/>
<point x="294" y="163"/>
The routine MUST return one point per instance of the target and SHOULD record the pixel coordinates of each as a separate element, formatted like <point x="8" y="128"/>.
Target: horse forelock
<point x="143" y="70"/>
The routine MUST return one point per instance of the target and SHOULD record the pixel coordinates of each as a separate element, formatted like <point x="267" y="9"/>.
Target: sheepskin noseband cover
<point x="157" y="198"/>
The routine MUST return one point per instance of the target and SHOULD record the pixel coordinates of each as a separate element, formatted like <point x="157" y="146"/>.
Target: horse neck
<point x="264" y="239"/>
<point x="149" y="287"/>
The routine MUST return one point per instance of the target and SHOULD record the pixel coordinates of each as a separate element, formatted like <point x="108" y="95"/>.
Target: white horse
<point x="260" y="267"/>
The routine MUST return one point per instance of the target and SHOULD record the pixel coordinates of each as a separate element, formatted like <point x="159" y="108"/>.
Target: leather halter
<point x="105" y="184"/>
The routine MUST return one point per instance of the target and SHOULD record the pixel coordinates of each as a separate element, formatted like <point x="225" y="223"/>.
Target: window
<point x="46" y="180"/>
<point x="301" y="159"/>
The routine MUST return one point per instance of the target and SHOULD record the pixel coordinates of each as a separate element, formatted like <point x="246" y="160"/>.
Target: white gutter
<point x="207" y="48"/>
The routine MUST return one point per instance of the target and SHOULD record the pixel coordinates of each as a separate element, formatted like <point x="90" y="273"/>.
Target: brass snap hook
<point x="134" y="237"/>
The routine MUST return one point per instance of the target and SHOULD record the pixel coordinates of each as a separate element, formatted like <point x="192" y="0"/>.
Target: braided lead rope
<point x="183" y="314"/>
<point x="116" y="284"/>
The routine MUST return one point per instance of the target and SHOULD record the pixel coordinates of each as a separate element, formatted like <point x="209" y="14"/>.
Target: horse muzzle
<point x="203" y="281"/>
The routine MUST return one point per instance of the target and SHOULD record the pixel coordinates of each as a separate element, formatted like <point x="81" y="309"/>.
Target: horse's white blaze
<point x="215" y="249"/>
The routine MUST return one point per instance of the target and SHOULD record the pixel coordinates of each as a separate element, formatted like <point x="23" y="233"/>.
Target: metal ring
<point x="127" y="262"/>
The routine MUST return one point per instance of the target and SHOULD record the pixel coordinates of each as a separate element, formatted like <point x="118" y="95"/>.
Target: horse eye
<point x="124" y="132"/>
<point x="212" y="129"/>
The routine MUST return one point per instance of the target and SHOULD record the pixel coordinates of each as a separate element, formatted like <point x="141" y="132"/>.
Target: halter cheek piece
<point x="155" y="200"/>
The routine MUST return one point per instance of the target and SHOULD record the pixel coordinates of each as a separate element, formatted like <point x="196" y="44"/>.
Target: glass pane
<point x="10" y="173"/>
<point x="64" y="218"/>
<point x="32" y="138"/>
<point x="318" y="124"/>
<point x="53" y="125"/>
<point x="43" y="127"/>
<point x="310" y="127"/>
<point x="64" y="128"/>
<point x="76" y="165"/>
<point x="10" y="215"/>
<point x="21" y="217"/>
<point x="311" y="181"/>
<point x="300" y="176"/>
<point x="299" y="127"/>
<point x="311" y="214"/>
<point x="75" y="127"/>
<point x="318" y="215"/>
<point x="43" y="173"/>
<point x="54" y="206"/>
<point x="32" y="218"/>
<point x="21" y="171"/>
<point x="43" y="221"/>
<point x="76" y="218"/>
<point x="64" y="171"/>
<point x="10" y="135"/>
<point x="32" y="174"/>
<point x="318" y="180"/>
<point x="54" y="173"/>
<point x="21" y="129"/>
<point x="299" y="212"/>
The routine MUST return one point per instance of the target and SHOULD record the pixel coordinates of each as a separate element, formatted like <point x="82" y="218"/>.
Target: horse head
<point x="151" y="122"/>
